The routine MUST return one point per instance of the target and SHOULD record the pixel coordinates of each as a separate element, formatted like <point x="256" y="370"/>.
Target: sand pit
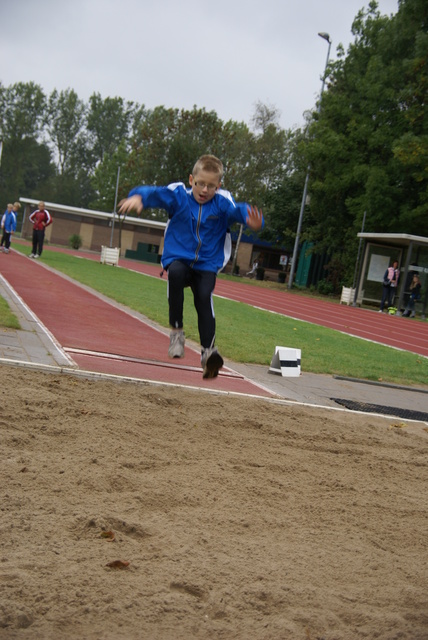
<point x="239" y="518"/>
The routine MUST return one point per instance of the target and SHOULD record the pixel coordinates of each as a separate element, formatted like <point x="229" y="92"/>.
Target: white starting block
<point x="286" y="361"/>
<point x="347" y="296"/>
<point x="110" y="255"/>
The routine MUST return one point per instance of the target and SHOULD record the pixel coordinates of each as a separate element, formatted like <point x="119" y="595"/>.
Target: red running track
<point x="393" y="331"/>
<point x="100" y="337"/>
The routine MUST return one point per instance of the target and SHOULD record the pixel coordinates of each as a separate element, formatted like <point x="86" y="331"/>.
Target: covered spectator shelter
<point x="380" y="250"/>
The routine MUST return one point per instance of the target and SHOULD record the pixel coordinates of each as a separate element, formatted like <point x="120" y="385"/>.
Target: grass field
<point x="246" y="334"/>
<point x="7" y="318"/>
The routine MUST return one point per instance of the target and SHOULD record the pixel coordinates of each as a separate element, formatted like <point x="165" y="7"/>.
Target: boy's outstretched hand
<point x="134" y="203"/>
<point x="254" y="218"/>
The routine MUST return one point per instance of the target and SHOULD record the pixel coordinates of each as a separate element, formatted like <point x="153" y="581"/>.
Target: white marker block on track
<point x="286" y="362"/>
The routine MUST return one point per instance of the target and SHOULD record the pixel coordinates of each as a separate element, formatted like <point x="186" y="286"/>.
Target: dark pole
<point x="356" y="263"/>
<point x="326" y="37"/>
<point x="115" y="205"/>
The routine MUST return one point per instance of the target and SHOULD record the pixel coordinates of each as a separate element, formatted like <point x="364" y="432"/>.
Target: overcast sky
<point x="224" y="56"/>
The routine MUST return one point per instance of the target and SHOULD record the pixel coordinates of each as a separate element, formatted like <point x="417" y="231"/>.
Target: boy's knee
<point x="204" y="298"/>
<point x="177" y="273"/>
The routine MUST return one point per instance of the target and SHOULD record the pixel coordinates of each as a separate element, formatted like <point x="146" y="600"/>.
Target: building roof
<point x="94" y="214"/>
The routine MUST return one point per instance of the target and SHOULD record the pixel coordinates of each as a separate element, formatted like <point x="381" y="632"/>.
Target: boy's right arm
<point x="153" y="198"/>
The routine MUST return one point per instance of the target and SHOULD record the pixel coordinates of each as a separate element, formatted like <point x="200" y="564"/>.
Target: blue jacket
<point x="8" y="221"/>
<point x="197" y="234"/>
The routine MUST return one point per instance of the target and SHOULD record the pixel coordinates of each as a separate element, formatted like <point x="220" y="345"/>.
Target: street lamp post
<point x="115" y="205"/>
<point x="326" y="37"/>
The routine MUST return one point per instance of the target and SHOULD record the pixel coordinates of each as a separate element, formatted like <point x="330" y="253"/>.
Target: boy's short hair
<point x="209" y="163"/>
<point x="17" y="205"/>
<point x="10" y="205"/>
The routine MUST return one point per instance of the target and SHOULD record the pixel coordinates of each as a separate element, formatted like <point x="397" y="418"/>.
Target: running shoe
<point x="211" y="362"/>
<point x="176" y="344"/>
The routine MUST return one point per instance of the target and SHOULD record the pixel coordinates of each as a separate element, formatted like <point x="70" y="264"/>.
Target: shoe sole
<point x="175" y="355"/>
<point x="177" y="351"/>
<point x="212" y="366"/>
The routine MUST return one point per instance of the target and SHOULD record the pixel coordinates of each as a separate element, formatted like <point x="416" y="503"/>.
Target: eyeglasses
<point x="204" y="185"/>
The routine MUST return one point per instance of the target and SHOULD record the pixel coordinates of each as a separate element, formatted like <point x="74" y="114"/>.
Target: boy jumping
<point x="197" y="246"/>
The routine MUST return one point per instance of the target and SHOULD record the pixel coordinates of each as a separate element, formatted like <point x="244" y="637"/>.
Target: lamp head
<point x="324" y="35"/>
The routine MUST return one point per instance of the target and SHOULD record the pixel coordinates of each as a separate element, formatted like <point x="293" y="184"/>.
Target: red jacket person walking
<point x="40" y="219"/>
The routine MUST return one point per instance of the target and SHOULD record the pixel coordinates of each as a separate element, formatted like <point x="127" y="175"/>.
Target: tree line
<point x="366" y="145"/>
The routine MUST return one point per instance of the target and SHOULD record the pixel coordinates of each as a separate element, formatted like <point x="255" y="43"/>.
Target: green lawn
<point x="245" y="334"/>
<point x="7" y="318"/>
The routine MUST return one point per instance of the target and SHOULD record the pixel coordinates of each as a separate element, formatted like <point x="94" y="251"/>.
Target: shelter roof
<point x="394" y="239"/>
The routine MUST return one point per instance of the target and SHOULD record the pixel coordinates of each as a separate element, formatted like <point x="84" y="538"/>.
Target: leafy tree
<point x="169" y="141"/>
<point x="281" y="210"/>
<point x="65" y="122"/>
<point x="411" y="148"/>
<point x="236" y="150"/>
<point x="358" y="146"/>
<point x="66" y="128"/>
<point x="108" y="123"/>
<point x="26" y="167"/>
<point x="167" y="144"/>
<point x="271" y="154"/>
<point x="105" y="179"/>
<point x="112" y="124"/>
<point x="283" y="194"/>
<point x="22" y="111"/>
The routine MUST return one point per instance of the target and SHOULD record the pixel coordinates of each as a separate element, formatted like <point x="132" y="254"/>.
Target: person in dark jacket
<point x="197" y="246"/>
<point x="415" y="295"/>
<point x="40" y="220"/>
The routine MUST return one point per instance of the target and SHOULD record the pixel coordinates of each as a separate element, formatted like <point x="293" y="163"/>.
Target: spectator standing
<point x="40" y="220"/>
<point x="389" y="285"/>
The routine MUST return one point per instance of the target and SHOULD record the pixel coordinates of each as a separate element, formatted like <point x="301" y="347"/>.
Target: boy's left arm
<point x="254" y="218"/>
<point x="244" y="213"/>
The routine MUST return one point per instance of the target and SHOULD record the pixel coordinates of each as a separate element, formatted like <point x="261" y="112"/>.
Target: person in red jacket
<point x="40" y="219"/>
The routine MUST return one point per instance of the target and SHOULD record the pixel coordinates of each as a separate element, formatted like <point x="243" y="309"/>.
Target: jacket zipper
<point x="198" y="236"/>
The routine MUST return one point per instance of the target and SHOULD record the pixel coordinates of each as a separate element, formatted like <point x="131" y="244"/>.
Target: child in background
<point x="8" y="224"/>
<point x="415" y="295"/>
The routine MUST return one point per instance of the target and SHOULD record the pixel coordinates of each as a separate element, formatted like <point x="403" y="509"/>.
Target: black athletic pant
<point x="38" y="238"/>
<point x="6" y="238"/>
<point x="202" y="284"/>
<point x="388" y="295"/>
